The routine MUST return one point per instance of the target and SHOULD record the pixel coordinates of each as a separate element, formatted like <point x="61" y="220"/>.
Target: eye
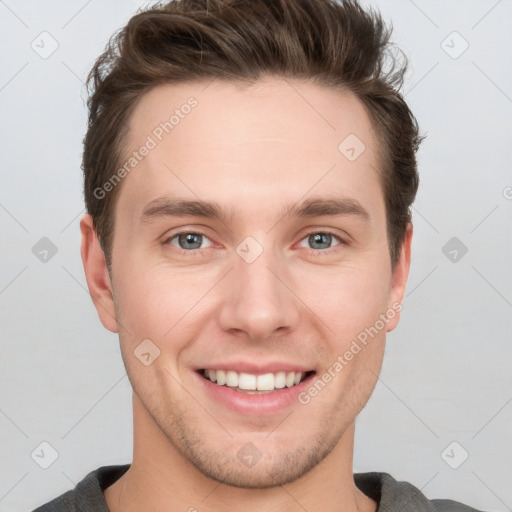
<point x="188" y="241"/>
<point x="320" y="240"/>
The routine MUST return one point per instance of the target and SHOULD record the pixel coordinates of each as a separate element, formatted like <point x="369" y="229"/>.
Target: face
<point x="250" y="249"/>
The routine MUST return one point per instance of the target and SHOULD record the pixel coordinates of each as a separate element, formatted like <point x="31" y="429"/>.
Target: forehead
<point x="226" y="141"/>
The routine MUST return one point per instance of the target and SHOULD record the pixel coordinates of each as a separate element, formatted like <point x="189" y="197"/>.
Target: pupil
<point x="190" y="239"/>
<point x="322" y="239"/>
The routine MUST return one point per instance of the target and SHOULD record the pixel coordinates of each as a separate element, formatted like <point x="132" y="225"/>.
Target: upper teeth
<point x="249" y="381"/>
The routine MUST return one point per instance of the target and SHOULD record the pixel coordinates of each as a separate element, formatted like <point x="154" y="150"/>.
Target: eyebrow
<point x="316" y="207"/>
<point x="327" y="206"/>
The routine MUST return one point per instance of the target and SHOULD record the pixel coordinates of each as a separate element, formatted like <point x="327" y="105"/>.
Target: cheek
<point x="156" y="298"/>
<point x="163" y="305"/>
<point x="158" y="315"/>
<point x="347" y="299"/>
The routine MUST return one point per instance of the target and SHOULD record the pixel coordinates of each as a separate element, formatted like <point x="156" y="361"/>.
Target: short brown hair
<point x="332" y="43"/>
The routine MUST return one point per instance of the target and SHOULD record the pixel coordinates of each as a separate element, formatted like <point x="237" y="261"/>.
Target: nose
<point x="258" y="299"/>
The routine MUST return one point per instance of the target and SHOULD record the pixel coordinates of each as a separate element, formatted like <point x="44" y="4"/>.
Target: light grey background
<point x="446" y="375"/>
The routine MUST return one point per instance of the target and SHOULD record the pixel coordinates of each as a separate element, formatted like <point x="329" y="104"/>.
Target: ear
<point x="399" y="279"/>
<point x="96" y="273"/>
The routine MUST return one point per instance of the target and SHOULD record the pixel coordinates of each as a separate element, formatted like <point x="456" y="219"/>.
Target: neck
<point x="160" y="478"/>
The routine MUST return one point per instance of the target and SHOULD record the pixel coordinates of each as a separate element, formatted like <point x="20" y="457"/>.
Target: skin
<point x="255" y="150"/>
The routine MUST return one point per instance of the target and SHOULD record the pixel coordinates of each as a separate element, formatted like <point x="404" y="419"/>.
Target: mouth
<point x="255" y="384"/>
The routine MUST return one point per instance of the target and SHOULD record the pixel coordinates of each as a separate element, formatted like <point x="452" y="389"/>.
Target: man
<point x="249" y="170"/>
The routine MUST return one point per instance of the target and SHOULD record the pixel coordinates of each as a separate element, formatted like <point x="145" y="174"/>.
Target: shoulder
<point x="392" y="495"/>
<point x="87" y="496"/>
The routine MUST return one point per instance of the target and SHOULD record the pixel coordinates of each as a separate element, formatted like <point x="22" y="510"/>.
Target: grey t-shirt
<point x="391" y="495"/>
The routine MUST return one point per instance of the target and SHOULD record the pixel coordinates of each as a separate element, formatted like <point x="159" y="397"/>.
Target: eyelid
<point x="196" y="229"/>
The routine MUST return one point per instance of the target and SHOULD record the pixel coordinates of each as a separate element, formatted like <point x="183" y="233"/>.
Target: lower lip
<point x="257" y="404"/>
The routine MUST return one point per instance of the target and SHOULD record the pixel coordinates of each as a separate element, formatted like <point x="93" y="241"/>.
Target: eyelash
<point x="200" y="252"/>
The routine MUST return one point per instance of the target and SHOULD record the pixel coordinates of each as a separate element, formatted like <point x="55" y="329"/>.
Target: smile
<point x="249" y="382"/>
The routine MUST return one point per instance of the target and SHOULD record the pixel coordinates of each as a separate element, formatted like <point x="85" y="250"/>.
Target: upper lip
<point x="255" y="368"/>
